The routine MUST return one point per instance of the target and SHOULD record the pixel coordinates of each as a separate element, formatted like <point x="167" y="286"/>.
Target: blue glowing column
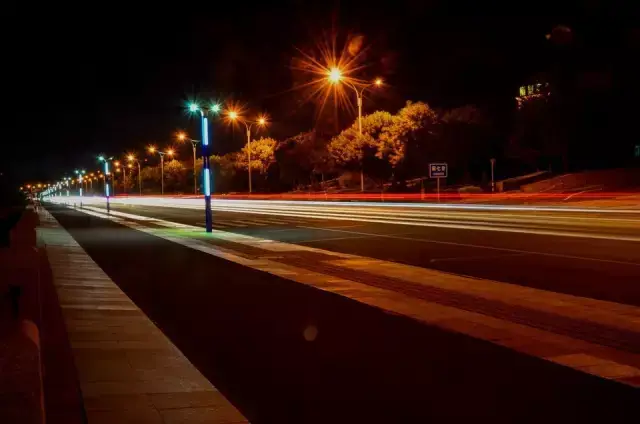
<point x="206" y="173"/>
<point x="107" y="177"/>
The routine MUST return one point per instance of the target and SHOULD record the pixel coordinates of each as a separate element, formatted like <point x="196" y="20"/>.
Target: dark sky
<point x="113" y="78"/>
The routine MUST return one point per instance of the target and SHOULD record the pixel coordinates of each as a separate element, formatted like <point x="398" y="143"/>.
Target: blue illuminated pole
<point x="206" y="174"/>
<point x="206" y="168"/>
<point x="107" y="178"/>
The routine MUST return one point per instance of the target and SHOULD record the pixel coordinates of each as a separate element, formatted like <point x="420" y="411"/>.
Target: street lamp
<point x="131" y="159"/>
<point x="168" y="152"/>
<point x="206" y="170"/>
<point x="80" y="173"/>
<point x="107" y="175"/>
<point x="124" y="175"/>
<point x="261" y="122"/>
<point x="334" y="76"/>
<point x="183" y="137"/>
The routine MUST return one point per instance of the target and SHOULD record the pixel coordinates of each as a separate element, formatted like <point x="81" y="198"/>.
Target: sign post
<point x="437" y="171"/>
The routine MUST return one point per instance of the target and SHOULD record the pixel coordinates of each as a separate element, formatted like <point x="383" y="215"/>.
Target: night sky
<point x="101" y="78"/>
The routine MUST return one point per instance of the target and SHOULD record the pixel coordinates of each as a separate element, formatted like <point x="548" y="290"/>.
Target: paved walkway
<point x="129" y="372"/>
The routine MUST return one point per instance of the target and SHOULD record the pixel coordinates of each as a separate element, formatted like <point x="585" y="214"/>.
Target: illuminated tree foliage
<point x="349" y="148"/>
<point x="262" y="155"/>
<point x="406" y="132"/>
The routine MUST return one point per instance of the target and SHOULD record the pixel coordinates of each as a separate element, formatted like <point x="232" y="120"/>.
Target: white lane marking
<point x="478" y="246"/>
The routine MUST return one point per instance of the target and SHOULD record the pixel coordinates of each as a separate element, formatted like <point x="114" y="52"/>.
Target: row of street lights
<point x="334" y="76"/>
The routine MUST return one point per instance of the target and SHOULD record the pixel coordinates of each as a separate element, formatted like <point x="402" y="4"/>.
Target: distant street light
<point x="334" y="76"/>
<point x="169" y="153"/>
<point x="80" y="173"/>
<point x="206" y="171"/>
<point x="262" y="121"/>
<point x="131" y="159"/>
<point x="183" y="137"/>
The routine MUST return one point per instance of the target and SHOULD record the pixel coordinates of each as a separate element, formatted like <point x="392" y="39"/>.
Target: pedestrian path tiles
<point x="129" y="371"/>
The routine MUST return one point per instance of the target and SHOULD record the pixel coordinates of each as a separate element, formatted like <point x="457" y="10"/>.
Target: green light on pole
<point x="193" y="107"/>
<point x="215" y="108"/>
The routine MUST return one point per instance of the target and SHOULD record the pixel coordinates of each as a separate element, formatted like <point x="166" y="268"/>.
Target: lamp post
<point x="107" y="175"/>
<point x="80" y="173"/>
<point x="169" y="153"/>
<point x="90" y="179"/>
<point x="183" y="137"/>
<point x="206" y="169"/>
<point x="233" y="115"/>
<point x="335" y="76"/>
<point x="124" y="176"/>
<point x="132" y="158"/>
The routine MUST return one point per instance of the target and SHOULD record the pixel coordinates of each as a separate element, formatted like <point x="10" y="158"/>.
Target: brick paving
<point x="128" y="371"/>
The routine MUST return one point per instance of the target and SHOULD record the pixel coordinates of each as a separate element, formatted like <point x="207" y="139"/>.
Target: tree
<point x="175" y="176"/>
<point x="408" y="132"/>
<point x="262" y="155"/>
<point x="150" y="176"/>
<point x="352" y="150"/>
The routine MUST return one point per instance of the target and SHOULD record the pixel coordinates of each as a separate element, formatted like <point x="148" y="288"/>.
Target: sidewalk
<point x="128" y="371"/>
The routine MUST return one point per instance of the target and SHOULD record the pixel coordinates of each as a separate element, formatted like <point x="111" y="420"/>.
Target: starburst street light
<point x="261" y="122"/>
<point x="334" y="76"/>
<point x="183" y="137"/>
<point x="131" y="158"/>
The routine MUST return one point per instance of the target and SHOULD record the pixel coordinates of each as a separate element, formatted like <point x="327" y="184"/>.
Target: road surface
<point x="283" y="351"/>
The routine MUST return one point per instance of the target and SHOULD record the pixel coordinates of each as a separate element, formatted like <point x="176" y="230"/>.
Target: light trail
<point x="561" y="224"/>
<point x="192" y="202"/>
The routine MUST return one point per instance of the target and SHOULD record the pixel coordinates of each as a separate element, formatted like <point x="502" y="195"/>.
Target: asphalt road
<point x="601" y="265"/>
<point x="244" y="328"/>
